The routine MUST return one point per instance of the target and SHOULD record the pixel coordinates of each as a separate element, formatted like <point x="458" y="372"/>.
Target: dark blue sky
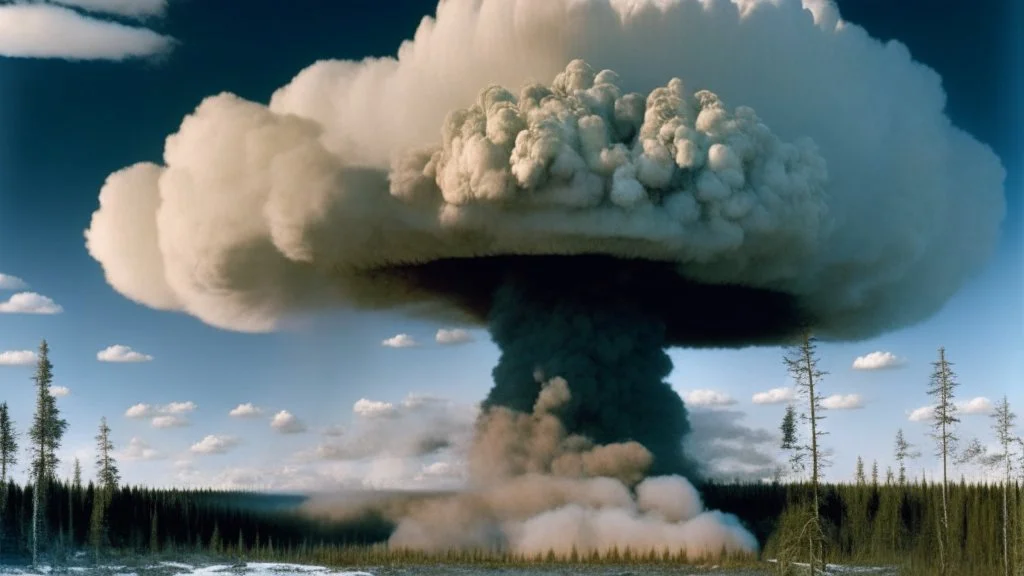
<point x="65" y="126"/>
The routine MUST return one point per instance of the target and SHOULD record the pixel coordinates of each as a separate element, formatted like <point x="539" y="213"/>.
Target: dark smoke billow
<point x="750" y="169"/>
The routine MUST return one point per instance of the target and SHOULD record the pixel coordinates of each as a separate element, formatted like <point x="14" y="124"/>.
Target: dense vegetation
<point x="925" y="527"/>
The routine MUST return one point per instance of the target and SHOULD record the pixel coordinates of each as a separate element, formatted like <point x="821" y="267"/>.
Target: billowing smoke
<point x="751" y="169"/>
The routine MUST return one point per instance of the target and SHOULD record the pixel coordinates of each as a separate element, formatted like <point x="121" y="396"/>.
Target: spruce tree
<point x="8" y="458"/>
<point x="46" y="434"/>
<point x="790" y="442"/>
<point x="802" y="364"/>
<point x="904" y="451"/>
<point x="874" y="473"/>
<point x="942" y="389"/>
<point x="859" y="474"/>
<point x="76" y="476"/>
<point x="107" y="475"/>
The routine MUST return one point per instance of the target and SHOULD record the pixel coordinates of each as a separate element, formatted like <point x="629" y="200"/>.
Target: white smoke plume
<point x="766" y="144"/>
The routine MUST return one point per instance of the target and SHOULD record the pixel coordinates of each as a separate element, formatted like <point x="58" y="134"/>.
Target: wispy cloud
<point x="373" y="408"/>
<point x="138" y="450"/>
<point x="921" y="414"/>
<point x="399" y="341"/>
<point x="449" y="336"/>
<point x="877" y="360"/>
<point x="121" y="353"/>
<point x="17" y="358"/>
<point x="169" y="421"/>
<point x="246" y="410"/>
<point x="48" y="31"/>
<point x="8" y="282"/>
<point x="214" y="444"/>
<point x="843" y="402"/>
<point x="774" y="396"/>
<point x="286" y="423"/>
<point x="59" y="391"/>
<point x="706" y="397"/>
<point x="28" y="302"/>
<point x="139" y="9"/>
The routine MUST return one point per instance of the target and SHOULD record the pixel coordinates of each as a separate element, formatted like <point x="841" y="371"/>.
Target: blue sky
<point x="67" y="124"/>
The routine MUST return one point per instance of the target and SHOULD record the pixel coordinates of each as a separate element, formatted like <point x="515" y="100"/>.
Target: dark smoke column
<point x="583" y="323"/>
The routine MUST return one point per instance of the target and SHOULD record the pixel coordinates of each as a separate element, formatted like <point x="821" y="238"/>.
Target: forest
<point x="922" y="525"/>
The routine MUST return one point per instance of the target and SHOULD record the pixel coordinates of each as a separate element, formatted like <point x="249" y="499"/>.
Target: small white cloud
<point x="979" y="405"/>
<point x="179" y="407"/>
<point x="450" y="336"/>
<point x="774" y="396"/>
<point x="247" y="410"/>
<point x="139" y="450"/>
<point x="8" y="282"/>
<point x="214" y="444"/>
<point x="399" y="341"/>
<point x="47" y="31"/>
<point x="170" y="421"/>
<point x="139" y="9"/>
<point x="140" y="411"/>
<point x="707" y="398"/>
<point x="121" y="353"/>
<point x="17" y="358"/>
<point x="921" y="414"/>
<point x="372" y="408"/>
<point x="59" y="391"/>
<point x="843" y="402"/>
<point x="28" y="302"/>
<point x="877" y="361"/>
<point x="286" y="423"/>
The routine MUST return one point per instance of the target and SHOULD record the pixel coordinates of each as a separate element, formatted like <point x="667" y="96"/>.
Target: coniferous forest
<point x="921" y="525"/>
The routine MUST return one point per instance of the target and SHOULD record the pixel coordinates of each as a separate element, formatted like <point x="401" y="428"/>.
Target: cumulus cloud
<point x="29" y="302"/>
<point x="137" y="449"/>
<point x="214" y="444"/>
<point x="59" y="391"/>
<point x="775" y="396"/>
<point x="17" y="358"/>
<point x="139" y="9"/>
<point x="399" y="341"/>
<point x="979" y="405"/>
<point x="448" y="336"/>
<point x="373" y="408"/>
<point x="287" y="423"/>
<point x="705" y="160"/>
<point x="417" y="426"/>
<point x="843" y="402"/>
<point x="170" y="421"/>
<point x="37" y="30"/>
<point x="974" y="406"/>
<point x="708" y="398"/>
<point x="877" y="361"/>
<point x="121" y="353"/>
<point x="165" y="416"/>
<point x="8" y="282"/>
<point x="246" y="410"/>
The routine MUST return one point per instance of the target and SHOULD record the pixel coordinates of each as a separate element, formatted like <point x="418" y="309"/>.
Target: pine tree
<point x="942" y="388"/>
<point x="1003" y="421"/>
<point x="904" y="451"/>
<point x="46" y="434"/>
<point x="107" y="475"/>
<point x="215" y="539"/>
<point x="8" y="458"/>
<point x="802" y="364"/>
<point x="790" y="442"/>
<point x="874" y="473"/>
<point x="76" y="477"/>
<point x="860" y="472"/>
<point x="889" y="478"/>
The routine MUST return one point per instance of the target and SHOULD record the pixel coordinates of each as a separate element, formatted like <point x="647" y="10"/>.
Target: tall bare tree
<point x="802" y="364"/>
<point x="942" y="388"/>
<point x="1003" y="420"/>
